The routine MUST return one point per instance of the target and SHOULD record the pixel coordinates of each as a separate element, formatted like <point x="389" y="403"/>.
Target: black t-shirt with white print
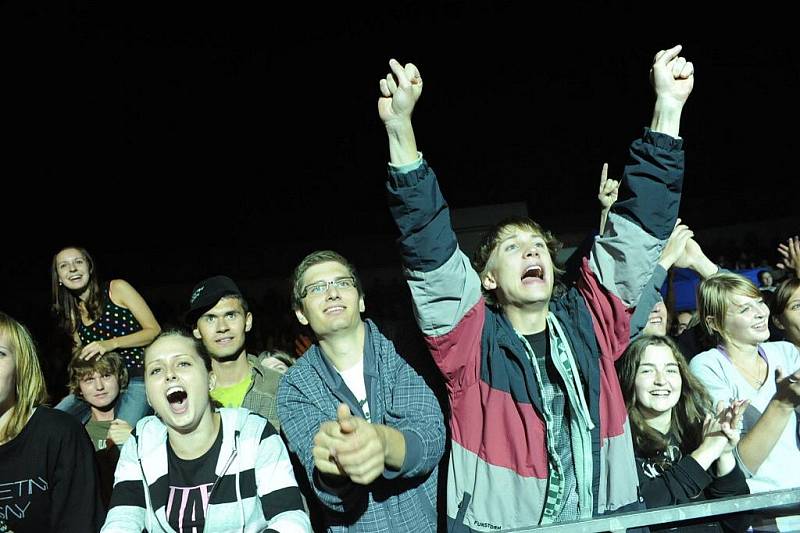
<point x="190" y="483"/>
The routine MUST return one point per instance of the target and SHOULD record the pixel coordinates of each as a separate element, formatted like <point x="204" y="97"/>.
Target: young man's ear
<point x="212" y="380"/>
<point x="301" y="317"/>
<point x="488" y="281"/>
<point x="248" y="322"/>
<point x="361" y="307"/>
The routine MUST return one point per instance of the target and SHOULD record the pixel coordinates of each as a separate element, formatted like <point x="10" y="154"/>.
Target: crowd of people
<point x="518" y="392"/>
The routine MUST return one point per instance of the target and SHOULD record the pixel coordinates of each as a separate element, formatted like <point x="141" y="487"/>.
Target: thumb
<point x="342" y="412"/>
<point x="345" y="418"/>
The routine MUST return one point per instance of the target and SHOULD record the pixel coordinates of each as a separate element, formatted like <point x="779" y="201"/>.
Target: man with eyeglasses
<point x="219" y="316"/>
<point x="363" y="423"/>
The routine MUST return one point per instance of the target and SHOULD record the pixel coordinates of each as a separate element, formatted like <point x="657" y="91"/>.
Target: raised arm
<point x="641" y="221"/>
<point x="651" y="294"/>
<point x="672" y="77"/>
<point x="607" y="195"/>
<point x="400" y="91"/>
<point x="681" y="251"/>
<point x="791" y="256"/>
<point x="444" y="286"/>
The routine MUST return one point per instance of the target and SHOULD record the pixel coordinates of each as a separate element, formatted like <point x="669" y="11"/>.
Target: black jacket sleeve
<point x="683" y="482"/>
<point x="75" y="498"/>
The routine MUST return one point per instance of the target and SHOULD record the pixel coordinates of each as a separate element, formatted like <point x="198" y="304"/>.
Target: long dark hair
<point x="65" y="302"/>
<point x="686" y="423"/>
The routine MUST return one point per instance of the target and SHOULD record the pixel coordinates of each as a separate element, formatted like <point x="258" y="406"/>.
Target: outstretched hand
<point x="672" y="76"/>
<point x="791" y="255"/>
<point x="400" y="90"/>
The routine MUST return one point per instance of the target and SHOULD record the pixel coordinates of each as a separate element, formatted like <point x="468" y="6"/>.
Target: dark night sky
<point x="238" y="138"/>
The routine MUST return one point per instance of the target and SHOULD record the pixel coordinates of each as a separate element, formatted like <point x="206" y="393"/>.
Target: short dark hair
<point x="186" y="334"/>
<point x="315" y="258"/>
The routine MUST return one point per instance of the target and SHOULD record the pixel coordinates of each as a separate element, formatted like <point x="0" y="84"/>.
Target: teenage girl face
<point x="72" y="269"/>
<point x="177" y="382"/>
<point x="658" y="381"/>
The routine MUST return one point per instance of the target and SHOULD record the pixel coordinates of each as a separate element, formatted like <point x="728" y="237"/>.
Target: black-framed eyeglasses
<point x="321" y="287"/>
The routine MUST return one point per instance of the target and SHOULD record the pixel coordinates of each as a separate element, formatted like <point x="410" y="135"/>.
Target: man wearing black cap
<point x="218" y="315"/>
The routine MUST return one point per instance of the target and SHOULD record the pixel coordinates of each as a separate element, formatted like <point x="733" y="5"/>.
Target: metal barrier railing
<point x="615" y="523"/>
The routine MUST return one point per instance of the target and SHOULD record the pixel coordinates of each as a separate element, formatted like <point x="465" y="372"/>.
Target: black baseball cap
<point x="206" y="294"/>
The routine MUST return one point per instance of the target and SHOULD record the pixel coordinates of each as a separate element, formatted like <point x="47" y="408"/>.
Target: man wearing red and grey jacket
<point x="539" y="427"/>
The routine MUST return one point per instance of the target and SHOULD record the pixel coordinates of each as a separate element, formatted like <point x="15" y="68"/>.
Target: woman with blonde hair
<point x="744" y="365"/>
<point x="45" y="455"/>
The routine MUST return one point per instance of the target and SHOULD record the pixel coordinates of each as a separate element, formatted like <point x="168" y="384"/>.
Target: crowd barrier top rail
<point x="618" y="523"/>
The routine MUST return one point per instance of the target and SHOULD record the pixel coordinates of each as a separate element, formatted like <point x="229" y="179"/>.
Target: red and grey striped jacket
<point x="498" y="471"/>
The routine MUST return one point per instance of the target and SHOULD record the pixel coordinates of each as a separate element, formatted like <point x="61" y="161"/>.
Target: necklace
<point x="756" y="380"/>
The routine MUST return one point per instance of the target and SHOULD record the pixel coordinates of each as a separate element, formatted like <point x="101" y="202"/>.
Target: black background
<point x="178" y="141"/>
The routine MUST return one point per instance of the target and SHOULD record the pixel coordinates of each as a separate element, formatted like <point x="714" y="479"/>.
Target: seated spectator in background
<point x="219" y="316"/>
<point x="194" y="468"/>
<point x="276" y="360"/>
<point x="765" y="281"/>
<point x="46" y="463"/>
<point x="99" y="383"/>
<point x="743" y="365"/>
<point x="683" y="447"/>
<point x="683" y="319"/>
